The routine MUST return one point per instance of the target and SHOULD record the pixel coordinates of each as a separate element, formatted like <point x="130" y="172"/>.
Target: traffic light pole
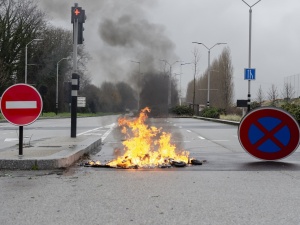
<point x="74" y="91"/>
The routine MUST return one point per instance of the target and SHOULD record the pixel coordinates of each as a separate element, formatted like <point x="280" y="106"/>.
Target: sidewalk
<point x="50" y="153"/>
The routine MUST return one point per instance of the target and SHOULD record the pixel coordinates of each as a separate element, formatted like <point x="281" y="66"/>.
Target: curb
<point x="236" y="123"/>
<point x="62" y="159"/>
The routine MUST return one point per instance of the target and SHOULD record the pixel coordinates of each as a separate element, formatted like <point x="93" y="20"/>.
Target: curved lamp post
<point x="208" y="80"/>
<point x="139" y="82"/>
<point x="37" y="39"/>
<point x="169" y="84"/>
<point x="56" y="99"/>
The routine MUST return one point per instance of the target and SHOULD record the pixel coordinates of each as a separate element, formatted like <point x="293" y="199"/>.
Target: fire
<point x="146" y="146"/>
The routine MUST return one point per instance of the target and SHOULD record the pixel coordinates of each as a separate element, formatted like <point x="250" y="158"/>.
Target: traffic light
<point x="78" y="14"/>
<point x="80" y="33"/>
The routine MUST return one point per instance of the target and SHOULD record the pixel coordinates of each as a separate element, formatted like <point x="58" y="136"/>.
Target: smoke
<point x="137" y="39"/>
<point x="117" y="32"/>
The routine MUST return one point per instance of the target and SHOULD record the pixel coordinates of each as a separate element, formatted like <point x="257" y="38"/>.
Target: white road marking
<point x="92" y="132"/>
<point x="201" y="137"/>
<point x="219" y="140"/>
<point x="108" y="132"/>
<point x="11" y="139"/>
<point x="21" y="104"/>
<point x="189" y="131"/>
<point x="89" y="131"/>
<point x="14" y="139"/>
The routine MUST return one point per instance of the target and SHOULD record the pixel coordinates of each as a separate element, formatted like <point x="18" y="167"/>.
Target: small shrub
<point x="293" y="109"/>
<point x="210" y="112"/>
<point x="182" y="110"/>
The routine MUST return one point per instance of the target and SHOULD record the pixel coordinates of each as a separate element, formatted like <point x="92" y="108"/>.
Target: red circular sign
<point x="21" y="104"/>
<point x="269" y="133"/>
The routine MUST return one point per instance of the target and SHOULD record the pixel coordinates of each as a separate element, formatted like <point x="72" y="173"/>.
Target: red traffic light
<point x="76" y="11"/>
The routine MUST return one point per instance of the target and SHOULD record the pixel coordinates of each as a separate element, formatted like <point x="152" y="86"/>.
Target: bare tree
<point x="260" y="96"/>
<point x="224" y="79"/>
<point x="20" y="23"/>
<point x="273" y="95"/>
<point x="288" y="91"/>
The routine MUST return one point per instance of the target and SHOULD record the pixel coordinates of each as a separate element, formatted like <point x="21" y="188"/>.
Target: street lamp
<point x="56" y="101"/>
<point x="208" y="80"/>
<point x="170" y="76"/>
<point x="26" y="57"/>
<point x="139" y="82"/>
<point x="182" y="64"/>
<point x="249" y="59"/>
<point x="179" y="74"/>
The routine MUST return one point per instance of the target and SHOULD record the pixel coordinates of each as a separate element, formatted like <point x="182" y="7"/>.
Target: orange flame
<point x="146" y="146"/>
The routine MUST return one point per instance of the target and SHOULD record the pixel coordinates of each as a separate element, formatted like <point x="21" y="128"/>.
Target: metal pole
<point x="20" y="140"/>
<point x="182" y="65"/>
<point x="139" y="88"/>
<point x="194" y="91"/>
<point x="56" y="99"/>
<point x="75" y="45"/>
<point x="208" y="68"/>
<point x="169" y="83"/>
<point x="26" y="64"/>
<point x="249" y="59"/>
<point x="139" y="83"/>
<point x="180" y="84"/>
<point x="169" y="88"/>
<point x="208" y="80"/>
<point x="75" y="78"/>
<point x="37" y="39"/>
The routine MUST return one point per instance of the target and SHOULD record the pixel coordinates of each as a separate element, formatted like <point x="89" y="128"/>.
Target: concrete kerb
<point x="236" y="123"/>
<point x="71" y="150"/>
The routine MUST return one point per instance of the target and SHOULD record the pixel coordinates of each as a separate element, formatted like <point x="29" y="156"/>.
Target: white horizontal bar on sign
<point x="21" y="104"/>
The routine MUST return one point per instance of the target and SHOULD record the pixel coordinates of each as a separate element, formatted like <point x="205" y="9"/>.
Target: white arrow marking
<point x="21" y="104"/>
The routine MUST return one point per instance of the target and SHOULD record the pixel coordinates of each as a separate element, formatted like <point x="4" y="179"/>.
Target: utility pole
<point x="77" y="19"/>
<point x="249" y="56"/>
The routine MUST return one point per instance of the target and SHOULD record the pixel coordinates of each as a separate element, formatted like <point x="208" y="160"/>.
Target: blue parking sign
<point x="249" y="74"/>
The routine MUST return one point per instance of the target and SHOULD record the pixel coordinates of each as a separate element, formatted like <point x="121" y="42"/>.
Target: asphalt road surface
<point x="232" y="187"/>
<point x="216" y="143"/>
<point x="47" y="128"/>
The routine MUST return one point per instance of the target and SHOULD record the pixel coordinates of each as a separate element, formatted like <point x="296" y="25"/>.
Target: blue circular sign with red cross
<point x="269" y="133"/>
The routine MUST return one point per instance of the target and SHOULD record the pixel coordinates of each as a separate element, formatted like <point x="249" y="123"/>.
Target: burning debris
<point x="146" y="147"/>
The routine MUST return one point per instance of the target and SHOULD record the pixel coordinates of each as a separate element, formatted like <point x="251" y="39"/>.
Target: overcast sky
<point x="167" y="28"/>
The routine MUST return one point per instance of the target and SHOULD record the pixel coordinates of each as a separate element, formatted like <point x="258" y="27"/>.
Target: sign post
<point x="269" y="133"/>
<point x="21" y="105"/>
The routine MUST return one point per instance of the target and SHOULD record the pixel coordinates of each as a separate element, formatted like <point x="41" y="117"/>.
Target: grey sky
<point x="177" y="23"/>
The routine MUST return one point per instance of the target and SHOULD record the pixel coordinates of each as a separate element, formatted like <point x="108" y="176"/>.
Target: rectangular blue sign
<point x="249" y="74"/>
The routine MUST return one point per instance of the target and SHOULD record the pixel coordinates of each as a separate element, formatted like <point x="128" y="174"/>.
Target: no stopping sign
<point x="269" y="133"/>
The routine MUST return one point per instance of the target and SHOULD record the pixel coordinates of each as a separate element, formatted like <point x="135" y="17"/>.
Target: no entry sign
<point x="21" y="104"/>
<point x="269" y="133"/>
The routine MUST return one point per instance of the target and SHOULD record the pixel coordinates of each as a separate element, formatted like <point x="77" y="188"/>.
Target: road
<point x="47" y="128"/>
<point x="248" y="192"/>
<point x="216" y="143"/>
